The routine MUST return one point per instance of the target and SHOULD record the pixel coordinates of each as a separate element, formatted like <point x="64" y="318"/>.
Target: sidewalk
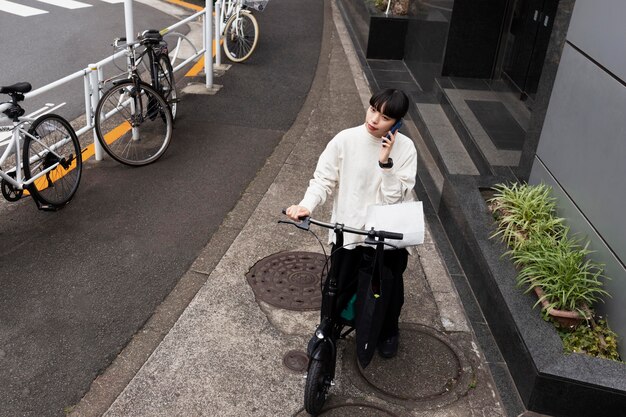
<point x="224" y="356"/>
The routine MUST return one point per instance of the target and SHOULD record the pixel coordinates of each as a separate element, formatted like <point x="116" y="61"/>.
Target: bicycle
<point x="322" y="348"/>
<point x="239" y="27"/>
<point x="51" y="164"/>
<point x="134" y="119"/>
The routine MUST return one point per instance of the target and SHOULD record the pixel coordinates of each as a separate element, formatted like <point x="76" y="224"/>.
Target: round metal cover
<point x="296" y="360"/>
<point x="289" y="280"/>
<point x="433" y="370"/>
<point x="426" y="364"/>
<point x="352" y="409"/>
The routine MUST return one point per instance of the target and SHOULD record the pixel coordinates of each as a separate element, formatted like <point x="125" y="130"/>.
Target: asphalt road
<point x="77" y="284"/>
<point x="46" y="47"/>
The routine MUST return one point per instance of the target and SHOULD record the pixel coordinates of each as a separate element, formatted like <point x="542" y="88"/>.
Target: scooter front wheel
<point x="317" y="385"/>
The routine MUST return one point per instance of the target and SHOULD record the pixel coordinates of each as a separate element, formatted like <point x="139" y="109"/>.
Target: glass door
<point x="527" y="43"/>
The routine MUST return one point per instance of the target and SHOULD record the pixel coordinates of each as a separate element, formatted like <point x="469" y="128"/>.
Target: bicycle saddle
<point x="151" y="36"/>
<point x="16" y="88"/>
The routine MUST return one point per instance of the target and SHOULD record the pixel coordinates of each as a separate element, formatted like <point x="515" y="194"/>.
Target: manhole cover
<point x="433" y="370"/>
<point x="352" y="409"/>
<point x="296" y="360"/>
<point x="361" y="410"/>
<point x="426" y="364"/>
<point x="289" y="280"/>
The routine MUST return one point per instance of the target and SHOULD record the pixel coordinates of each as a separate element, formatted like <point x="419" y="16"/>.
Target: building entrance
<point x="527" y="43"/>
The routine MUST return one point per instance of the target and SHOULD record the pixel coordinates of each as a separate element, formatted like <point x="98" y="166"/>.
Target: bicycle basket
<point x="256" y="4"/>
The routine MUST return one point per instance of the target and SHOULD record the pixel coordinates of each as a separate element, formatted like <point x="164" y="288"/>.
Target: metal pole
<point x="94" y="82"/>
<point x="208" y="44"/>
<point x="218" y="35"/>
<point x="128" y="19"/>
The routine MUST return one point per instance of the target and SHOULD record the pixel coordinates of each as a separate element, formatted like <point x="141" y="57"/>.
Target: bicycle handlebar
<point x="305" y="223"/>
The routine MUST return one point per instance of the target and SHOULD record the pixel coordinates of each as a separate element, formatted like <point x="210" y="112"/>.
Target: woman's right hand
<point x="297" y="213"/>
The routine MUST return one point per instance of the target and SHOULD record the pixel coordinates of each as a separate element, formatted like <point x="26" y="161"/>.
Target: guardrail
<point x="93" y="74"/>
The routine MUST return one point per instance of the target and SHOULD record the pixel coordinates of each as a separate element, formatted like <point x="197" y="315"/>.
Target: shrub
<point x="559" y="266"/>
<point x="523" y="211"/>
<point x="547" y="257"/>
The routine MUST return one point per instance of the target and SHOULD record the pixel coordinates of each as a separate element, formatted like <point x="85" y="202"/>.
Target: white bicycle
<point x="51" y="161"/>
<point x="239" y="27"/>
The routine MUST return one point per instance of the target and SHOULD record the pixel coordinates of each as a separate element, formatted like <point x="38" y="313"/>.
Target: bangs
<point x="391" y="102"/>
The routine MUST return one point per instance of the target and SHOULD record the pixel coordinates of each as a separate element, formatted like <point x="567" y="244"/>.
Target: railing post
<point x="218" y="35"/>
<point x="128" y="19"/>
<point x="208" y="44"/>
<point x="94" y="87"/>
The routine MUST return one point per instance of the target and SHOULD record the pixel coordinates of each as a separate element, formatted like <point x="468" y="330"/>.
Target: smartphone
<point x="395" y="128"/>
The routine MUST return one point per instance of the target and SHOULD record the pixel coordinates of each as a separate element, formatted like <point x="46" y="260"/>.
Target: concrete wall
<point x="582" y="147"/>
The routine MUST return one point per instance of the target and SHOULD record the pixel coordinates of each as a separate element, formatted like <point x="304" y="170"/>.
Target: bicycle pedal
<point x="46" y="207"/>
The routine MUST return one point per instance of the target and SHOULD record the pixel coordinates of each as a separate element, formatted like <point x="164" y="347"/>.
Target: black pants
<point x="346" y="263"/>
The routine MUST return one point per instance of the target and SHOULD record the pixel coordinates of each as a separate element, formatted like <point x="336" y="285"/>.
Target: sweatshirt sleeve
<point x="324" y="179"/>
<point x="398" y="181"/>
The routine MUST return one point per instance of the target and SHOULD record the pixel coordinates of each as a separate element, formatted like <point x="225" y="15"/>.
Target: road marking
<point x="67" y="4"/>
<point x="18" y="9"/>
<point x="187" y="5"/>
<point x="117" y="132"/>
<point x="199" y="65"/>
<point x="113" y="1"/>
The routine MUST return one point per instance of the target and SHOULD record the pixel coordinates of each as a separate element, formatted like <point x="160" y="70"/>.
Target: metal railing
<point x="93" y="75"/>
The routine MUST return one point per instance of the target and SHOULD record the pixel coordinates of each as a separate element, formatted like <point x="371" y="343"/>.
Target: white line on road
<point x="113" y="1"/>
<point x="68" y="4"/>
<point x="18" y="9"/>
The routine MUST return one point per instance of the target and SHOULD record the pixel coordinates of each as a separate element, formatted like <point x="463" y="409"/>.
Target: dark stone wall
<point x="426" y="38"/>
<point x="474" y="37"/>
<point x="546" y="83"/>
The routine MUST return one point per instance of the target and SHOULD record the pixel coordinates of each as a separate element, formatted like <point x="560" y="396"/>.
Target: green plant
<point x="523" y="212"/>
<point x="592" y="339"/>
<point x="559" y="265"/>
<point x="549" y="259"/>
<point x="381" y="4"/>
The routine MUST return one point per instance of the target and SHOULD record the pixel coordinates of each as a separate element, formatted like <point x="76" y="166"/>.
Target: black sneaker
<point x="388" y="348"/>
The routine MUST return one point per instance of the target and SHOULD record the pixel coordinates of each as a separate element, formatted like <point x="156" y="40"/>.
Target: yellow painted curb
<point x="186" y="5"/>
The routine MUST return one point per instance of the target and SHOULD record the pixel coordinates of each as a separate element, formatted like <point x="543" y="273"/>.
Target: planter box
<point x="380" y="36"/>
<point x="547" y="380"/>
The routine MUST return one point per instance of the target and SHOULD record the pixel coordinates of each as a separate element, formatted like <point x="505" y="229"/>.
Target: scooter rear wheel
<point x="316" y="388"/>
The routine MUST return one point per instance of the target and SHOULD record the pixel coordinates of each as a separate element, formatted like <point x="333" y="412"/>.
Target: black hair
<point x="391" y="102"/>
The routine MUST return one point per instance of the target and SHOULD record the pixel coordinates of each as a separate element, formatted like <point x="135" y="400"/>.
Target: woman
<point x="361" y="166"/>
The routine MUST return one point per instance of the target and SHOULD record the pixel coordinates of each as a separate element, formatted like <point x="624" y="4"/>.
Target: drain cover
<point x="426" y="364"/>
<point x="433" y="370"/>
<point x="296" y="360"/>
<point x="289" y="280"/>
<point x="361" y="410"/>
<point x="351" y="409"/>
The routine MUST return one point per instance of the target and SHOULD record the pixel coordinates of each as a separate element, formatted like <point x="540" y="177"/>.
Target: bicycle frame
<point x="227" y="9"/>
<point x="133" y="74"/>
<point x="13" y="148"/>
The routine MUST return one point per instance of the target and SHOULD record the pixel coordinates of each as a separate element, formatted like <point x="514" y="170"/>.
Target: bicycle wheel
<point x="167" y="83"/>
<point x="241" y="35"/>
<point x="133" y="123"/>
<point x="316" y="387"/>
<point x="54" y="150"/>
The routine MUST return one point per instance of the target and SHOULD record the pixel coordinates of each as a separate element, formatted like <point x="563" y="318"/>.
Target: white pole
<point x="218" y="35"/>
<point x="95" y="97"/>
<point x="128" y="19"/>
<point x="208" y="44"/>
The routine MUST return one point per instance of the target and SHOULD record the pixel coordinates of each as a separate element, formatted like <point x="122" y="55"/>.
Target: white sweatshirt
<point x="349" y="168"/>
